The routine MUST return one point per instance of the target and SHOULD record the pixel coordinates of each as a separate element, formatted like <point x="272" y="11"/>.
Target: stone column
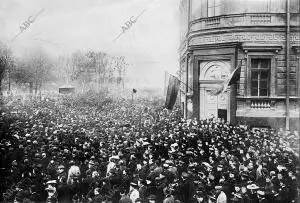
<point x="196" y="103"/>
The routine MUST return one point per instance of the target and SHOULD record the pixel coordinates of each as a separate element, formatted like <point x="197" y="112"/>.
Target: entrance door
<point x="222" y="114"/>
<point x="211" y="105"/>
<point x="222" y="106"/>
<point x="212" y="74"/>
<point x="214" y="106"/>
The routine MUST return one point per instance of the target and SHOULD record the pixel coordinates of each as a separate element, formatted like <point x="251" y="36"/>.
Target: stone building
<point x="262" y="35"/>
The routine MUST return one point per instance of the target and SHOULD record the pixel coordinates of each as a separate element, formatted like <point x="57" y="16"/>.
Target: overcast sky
<point x="151" y="44"/>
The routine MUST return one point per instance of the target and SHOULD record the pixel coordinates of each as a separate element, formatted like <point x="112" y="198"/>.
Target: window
<point x="260" y="77"/>
<point x="213" y="8"/>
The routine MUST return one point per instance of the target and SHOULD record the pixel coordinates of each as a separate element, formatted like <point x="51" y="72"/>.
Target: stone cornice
<point x="261" y="47"/>
<point x="240" y="37"/>
<point x="239" y="29"/>
<point x="216" y="45"/>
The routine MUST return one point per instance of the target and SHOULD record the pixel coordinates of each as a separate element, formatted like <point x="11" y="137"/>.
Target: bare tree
<point x="6" y="62"/>
<point x="80" y="63"/>
<point x="35" y="70"/>
<point x="122" y="67"/>
<point x="21" y="73"/>
<point x="41" y="64"/>
<point x="97" y="69"/>
<point x="99" y="63"/>
<point x="64" y="69"/>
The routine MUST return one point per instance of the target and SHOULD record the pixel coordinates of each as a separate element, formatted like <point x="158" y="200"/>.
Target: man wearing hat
<point x="169" y="198"/>
<point x="51" y="190"/>
<point x="151" y="188"/>
<point x="252" y="192"/>
<point x="133" y="191"/>
<point x="152" y="199"/>
<point x="62" y="187"/>
<point x="186" y="188"/>
<point x="236" y="195"/>
<point x="142" y="188"/>
<point x="91" y="168"/>
<point x="61" y="174"/>
<point x="124" y="198"/>
<point x="111" y="165"/>
<point x="261" y="196"/>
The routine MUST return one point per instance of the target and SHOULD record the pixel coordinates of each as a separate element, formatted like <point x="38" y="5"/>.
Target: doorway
<point x="213" y="105"/>
<point x="212" y="75"/>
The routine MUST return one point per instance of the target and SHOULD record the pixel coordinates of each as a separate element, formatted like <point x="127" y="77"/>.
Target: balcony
<point x="266" y="106"/>
<point x="243" y="19"/>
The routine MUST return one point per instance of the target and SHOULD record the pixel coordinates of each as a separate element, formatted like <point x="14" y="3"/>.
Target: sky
<point x="150" y="45"/>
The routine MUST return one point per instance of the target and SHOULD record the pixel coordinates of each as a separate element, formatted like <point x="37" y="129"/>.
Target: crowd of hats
<point x="93" y="153"/>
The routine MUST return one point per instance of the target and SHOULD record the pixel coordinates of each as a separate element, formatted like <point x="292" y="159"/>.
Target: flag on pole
<point x="172" y="91"/>
<point x="232" y="79"/>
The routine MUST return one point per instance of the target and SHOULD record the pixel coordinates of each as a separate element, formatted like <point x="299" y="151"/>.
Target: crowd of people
<point x="136" y="151"/>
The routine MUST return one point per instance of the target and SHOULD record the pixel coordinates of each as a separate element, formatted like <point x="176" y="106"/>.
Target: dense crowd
<point x="125" y="151"/>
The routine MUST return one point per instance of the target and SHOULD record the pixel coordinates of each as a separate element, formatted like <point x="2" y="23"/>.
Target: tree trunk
<point x="40" y="90"/>
<point x="30" y="87"/>
<point x="36" y="88"/>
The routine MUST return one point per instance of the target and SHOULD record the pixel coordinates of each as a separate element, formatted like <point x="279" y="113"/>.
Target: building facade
<point x="261" y="35"/>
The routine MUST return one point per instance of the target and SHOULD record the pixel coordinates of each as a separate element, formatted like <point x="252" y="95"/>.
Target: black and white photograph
<point x="150" y="101"/>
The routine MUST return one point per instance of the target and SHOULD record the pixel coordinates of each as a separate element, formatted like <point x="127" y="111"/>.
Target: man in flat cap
<point x="51" y="190"/>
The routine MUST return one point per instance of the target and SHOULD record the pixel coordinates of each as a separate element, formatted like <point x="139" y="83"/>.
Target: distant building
<point x="216" y="35"/>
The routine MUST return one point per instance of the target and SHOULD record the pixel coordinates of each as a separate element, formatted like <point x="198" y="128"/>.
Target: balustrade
<point x="243" y="19"/>
<point x="260" y="19"/>
<point x="260" y="104"/>
<point x="212" y="21"/>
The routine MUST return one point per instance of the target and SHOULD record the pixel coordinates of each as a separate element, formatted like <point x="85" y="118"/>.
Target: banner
<point x="232" y="79"/>
<point x="172" y="92"/>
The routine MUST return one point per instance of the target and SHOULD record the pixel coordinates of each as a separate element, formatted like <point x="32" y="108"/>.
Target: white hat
<point x="51" y="182"/>
<point x="145" y="143"/>
<point x="260" y="192"/>
<point x="252" y="187"/>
